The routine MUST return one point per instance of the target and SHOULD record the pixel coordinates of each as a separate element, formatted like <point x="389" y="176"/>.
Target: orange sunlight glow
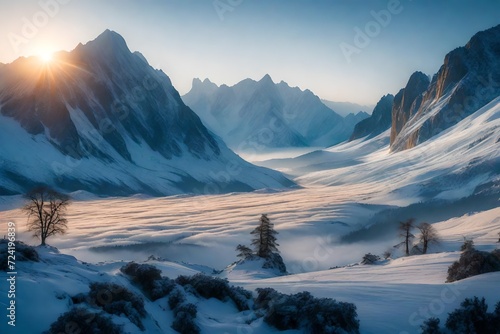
<point x="46" y="56"/>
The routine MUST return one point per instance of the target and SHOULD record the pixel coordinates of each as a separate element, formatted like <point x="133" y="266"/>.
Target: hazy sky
<point x="298" y="41"/>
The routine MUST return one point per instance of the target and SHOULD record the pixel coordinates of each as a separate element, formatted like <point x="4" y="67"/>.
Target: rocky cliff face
<point x="378" y="122"/>
<point x="407" y="101"/>
<point x="467" y="81"/>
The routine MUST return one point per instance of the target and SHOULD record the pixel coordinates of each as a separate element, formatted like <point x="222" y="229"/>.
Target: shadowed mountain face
<point x="378" y="122"/>
<point x="103" y="107"/>
<point x="407" y="101"/>
<point x="468" y="80"/>
<point x="263" y="114"/>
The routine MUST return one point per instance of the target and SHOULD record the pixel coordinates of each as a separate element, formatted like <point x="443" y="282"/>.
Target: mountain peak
<point x="205" y="86"/>
<point x="107" y="43"/>
<point x="111" y="36"/>
<point x="267" y="79"/>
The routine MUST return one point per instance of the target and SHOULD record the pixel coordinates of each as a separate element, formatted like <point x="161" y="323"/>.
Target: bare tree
<point x="265" y="241"/>
<point x="46" y="209"/>
<point x="428" y="234"/>
<point x="405" y="232"/>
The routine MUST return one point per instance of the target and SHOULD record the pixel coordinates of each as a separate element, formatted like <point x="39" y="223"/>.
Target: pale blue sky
<point x="297" y="41"/>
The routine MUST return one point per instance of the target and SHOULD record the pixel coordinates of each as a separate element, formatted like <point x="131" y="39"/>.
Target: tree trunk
<point x="407" y="244"/>
<point x="424" y="250"/>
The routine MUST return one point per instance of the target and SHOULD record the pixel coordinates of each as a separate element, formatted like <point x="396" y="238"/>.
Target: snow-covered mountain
<point x="468" y="80"/>
<point x="261" y="114"/>
<point x="100" y="119"/>
<point x="346" y="108"/>
<point x="378" y="122"/>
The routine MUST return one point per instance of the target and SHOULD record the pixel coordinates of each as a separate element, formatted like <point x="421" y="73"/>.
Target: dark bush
<point x="184" y="321"/>
<point x="302" y="310"/>
<point x="370" y="259"/>
<point x="161" y="288"/>
<point x="23" y="253"/>
<point x="149" y="278"/>
<point x="473" y="262"/>
<point x="81" y="320"/>
<point x="176" y="298"/>
<point x="431" y="326"/>
<point x="214" y="287"/>
<point x="146" y="274"/>
<point x="130" y="269"/>
<point x="116" y="299"/>
<point x="471" y="317"/>
<point x="467" y="245"/>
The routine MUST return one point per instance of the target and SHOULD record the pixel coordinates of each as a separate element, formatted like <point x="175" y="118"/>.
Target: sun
<point x="46" y="57"/>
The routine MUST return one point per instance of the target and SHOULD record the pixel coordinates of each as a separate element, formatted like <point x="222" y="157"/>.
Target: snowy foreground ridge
<point x="392" y="297"/>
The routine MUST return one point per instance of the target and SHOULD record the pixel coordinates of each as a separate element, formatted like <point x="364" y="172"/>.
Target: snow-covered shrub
<point x="81" y="320"/>
<point x="23" y="253"/>
<point x="431" y="326"/>
<point x="149" y="278"/>
<point x="161" y="288"/>
<point x="467" y="245"/>
<point x="116" y="299"/>
<point x="473" y="262"/>
<point x="240" y="297"/>
<point x="472" y="317"/>
<point x="302" y="310"/>
<point x="218" y="288"/>
<point x="144" y="273"/>
<point x="175" y="298"/>
<point x="370" y="259"/>
<point x="184" y="319"/>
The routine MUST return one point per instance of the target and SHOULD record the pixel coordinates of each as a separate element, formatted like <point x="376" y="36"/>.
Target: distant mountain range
<point x="100" y="119"/>
<point x="263" y="114"/>
<point x="346" y="108"/>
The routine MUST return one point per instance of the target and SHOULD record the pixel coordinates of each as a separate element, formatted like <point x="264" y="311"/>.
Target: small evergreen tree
<point x="265" y="238"/>
<point x="244" y="252"/>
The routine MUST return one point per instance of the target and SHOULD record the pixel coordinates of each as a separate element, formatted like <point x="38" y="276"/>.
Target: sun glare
<point x="46" y="57"/>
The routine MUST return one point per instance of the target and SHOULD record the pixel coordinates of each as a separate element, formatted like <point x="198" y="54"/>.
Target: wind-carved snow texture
<point x="258" y="115"/>
<point x="100" y="119"/>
